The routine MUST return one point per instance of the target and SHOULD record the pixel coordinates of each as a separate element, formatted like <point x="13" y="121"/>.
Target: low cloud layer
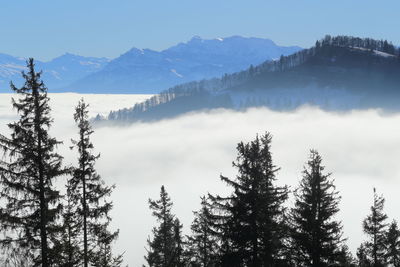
<point x="187" y="155"/>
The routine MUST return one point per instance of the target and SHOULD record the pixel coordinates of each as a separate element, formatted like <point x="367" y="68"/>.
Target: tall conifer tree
<point x="316" y="233"/>
<point x="375" y="227"/>
<point x="165" y="247"/>
<point x="203" y="244"/>
<point x="252" y="230"/>
<point x="90" y="194"/>
<point x="30" y="201"/>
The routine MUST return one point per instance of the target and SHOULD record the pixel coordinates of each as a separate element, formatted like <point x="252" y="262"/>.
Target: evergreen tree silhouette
<point x="375" y="227"/>
<point x="30" y="202"/>
<point x="90" y="194"/>
<point x="393" y="245"/>
<point x="315" y="232"/>
<point x="252" y="228"/>
<point x="203" y="243"/>
<point x="165" y="248"/>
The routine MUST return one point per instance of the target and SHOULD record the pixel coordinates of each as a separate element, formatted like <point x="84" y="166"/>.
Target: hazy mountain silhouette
<point x="57" y="73"/>
<point x="149" y="71"/>
<point x="338" y="73"/>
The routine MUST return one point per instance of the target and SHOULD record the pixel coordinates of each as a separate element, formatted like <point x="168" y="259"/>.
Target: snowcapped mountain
<point x="57" y="73"/>
<point x="68" y="68"/>
<point x="149" y="71"/>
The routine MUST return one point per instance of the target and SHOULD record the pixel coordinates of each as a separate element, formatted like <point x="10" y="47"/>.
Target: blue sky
<point x="48" y="28"/>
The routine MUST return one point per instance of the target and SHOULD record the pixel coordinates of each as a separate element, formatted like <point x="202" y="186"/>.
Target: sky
<point x="45" y="29"/>
<point x="187" y="154"/>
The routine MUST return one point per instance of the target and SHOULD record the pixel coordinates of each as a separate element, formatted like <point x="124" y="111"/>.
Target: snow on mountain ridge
<point x="57" y="72"/>
<point x="149" y="71"/>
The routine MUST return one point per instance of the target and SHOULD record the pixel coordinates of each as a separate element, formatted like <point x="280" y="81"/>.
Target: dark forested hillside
<point x="338" y="73"/>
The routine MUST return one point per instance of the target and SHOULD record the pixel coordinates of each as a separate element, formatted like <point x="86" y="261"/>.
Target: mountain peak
<point x="135" y="51"/>
<point x="67" y="55"/>
<point x="150" y="71"/>
<point x="196" y="38"/>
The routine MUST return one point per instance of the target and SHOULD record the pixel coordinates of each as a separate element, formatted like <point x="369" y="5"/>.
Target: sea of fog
<point x="187" y="155"/>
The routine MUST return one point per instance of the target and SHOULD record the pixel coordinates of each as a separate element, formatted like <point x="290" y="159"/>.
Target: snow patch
<point x="376" y="52"/>
<point x="90" y="63"/>
<point x="383" y="54"/>
<point x="176" y="73"/>
<point x="55" y="74"/>
<point x="9" y="69"/>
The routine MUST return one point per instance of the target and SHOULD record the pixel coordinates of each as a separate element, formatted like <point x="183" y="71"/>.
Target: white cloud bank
<point x="187" y="154"/>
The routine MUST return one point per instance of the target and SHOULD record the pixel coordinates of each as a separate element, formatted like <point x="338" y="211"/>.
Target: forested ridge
<point x="361" y="67"/>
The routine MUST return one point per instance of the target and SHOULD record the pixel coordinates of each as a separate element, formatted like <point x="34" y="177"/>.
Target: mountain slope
<point x="10" y="69"/>
<point x="57" y="73"/>
<point x="148" y="71"/>
<point x="338" y="73"/>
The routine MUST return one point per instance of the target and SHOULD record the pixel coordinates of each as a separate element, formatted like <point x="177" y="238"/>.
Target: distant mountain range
<point x="147" y="71"/>
<point x="57" y="73"/>
<point x="338" y="73"/>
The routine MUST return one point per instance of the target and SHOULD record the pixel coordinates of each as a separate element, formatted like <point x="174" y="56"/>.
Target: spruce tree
<point x="30" y="202"/>
<point x="165" y="246"/>
<point x="375" y="227"/>
<point x="90" y="195"/>
<point x="316" y="234"/>
<point x="393" y="245"/>
<point x="251" y="223"/>
<point x="203" y="244"/>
